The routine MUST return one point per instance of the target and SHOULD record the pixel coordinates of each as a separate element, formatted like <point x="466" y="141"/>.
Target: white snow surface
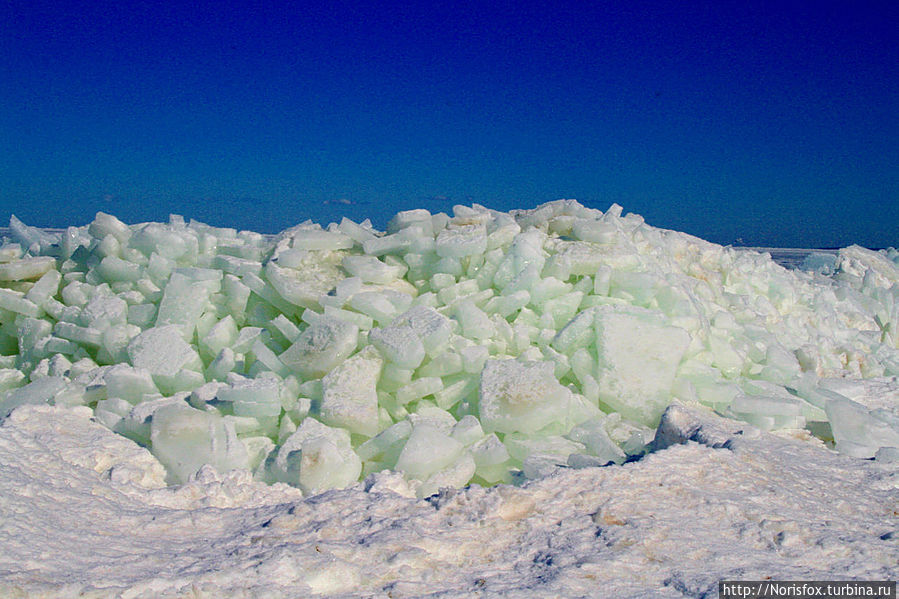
<point x="85" y="512"/>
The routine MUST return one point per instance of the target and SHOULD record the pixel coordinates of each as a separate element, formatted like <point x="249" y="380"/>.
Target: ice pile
<point x="484" y="347"/>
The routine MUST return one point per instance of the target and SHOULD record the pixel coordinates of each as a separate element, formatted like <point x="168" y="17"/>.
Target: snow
<point x="86" y="513"/>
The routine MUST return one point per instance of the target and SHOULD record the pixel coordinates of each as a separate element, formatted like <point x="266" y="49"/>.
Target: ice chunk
<point x="520" y="396"/>
<point x="431" y="327"/>
<point x="15" y="302"/>
<point x="399" y="344"/>
<point x="26" y="268"/>
<point x="102" y="311"/>
<point x="304" y="284"/>
<point x="164" y="353"/>
<point x="40" y="391"/>
<point x="45" y="288"/>
<point x="491" y="458"/>
<point x="553" y="446"/>
<point x="407" y="218"/>
<point x="855" y="426"/>
<point x="10" y="378"/>
<point x="221" y="335"/>
<point x="29" y="237"/>
<point x="258" y="398"/>
<point x="453" y="476"/>
<point x="459" y="241"/>
<point x="420" y="387"/>
<point x="317" y="457"/>
<point x="182" y="304"/>
<point x="113" y="268"/>
<point x="468" y="430"/>
<point x="427" y="450"/>
<point x="317" y="239"/>
<point x="637" y="361"/>
<point x="768" y="412"/>
<point x="354" y="231"/>
<point x="475" y="322"/>
<point x="184" y="439"/>
<point x="378" y="246"/>
<point x="447" y="363"/>
<point x="597" y="442"/>
<point x="578" y="333"/>
<point x="371" y="270"/>
<point x="387" y="444"/>
<point x="349" y="394"/>
<point x="81" y="335"/>
<point x="321" y="347"/>
<point x="374" y="304"/>
<point x="129" y="383"/>
<point x="107" y="224"/>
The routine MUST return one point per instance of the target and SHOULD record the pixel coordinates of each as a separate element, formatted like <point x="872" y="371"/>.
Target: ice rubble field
<point x="482" y="348"/>
<point x="485" y="347"/>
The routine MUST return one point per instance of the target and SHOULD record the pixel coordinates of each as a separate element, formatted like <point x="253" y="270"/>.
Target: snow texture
<point x="86" y="513"/>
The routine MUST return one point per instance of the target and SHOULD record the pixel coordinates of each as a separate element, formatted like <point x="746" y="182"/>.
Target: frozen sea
<point x="85" y="512"/>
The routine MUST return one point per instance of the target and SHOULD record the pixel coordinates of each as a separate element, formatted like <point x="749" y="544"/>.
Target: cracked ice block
<point x="184" y="439"/>
<point x="637" y="360"/>
<point x="163" y="351"/>
<point x="317" y="457"/>
<point x="427" y="450"/>
<point x="400" y="345"/>
<point x="521" y="396"/>
<point x="321" y="347"/>
<point x="349" y="394"/>
<point x="258" y="398"/>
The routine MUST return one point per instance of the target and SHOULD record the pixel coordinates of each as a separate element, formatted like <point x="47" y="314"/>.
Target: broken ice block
<point x="768" y="412"/>
<point x="459" y="241"/>
<point x="321" y="347"/>
<point x="258" y="398"/>
<point x="520" y="396"/>
<point x="593" y="435"/>
<point x="129" y="383"/>
<point x="637" y="359"/>
<point x="163" y="352"/>
<point x="317" y="457"/>
<point x="856" y="427"/>
<point x="399" y="344"/>
<point x="371" y="270"/>
<point x="431" y="327"/>
<point x="184" y="439"/>
<point x="26" y="268"/>
<point x="349" y="394"/>
<point x="38" y="392"/>
<point x="454" y="475"/>
<point x="426" y="451"/>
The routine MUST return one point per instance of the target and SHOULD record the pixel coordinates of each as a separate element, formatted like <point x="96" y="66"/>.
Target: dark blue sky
<point x="767" y="124"/>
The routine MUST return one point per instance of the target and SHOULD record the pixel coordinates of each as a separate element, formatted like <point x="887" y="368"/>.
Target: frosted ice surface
<point x="399" y="344"/>
<point x="316" y="457"/>
<point x="163" y="351"/>
<point x="184" y="439"/>
<point x="431" y="327"/>
<point x="350" y="396"/>
<point x="322" y="346"/>
<point x="520" y="396"/>
<point x="637" y="359"/>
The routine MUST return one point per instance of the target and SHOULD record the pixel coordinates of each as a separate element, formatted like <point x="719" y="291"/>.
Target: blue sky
<point x="764" y="124"/>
